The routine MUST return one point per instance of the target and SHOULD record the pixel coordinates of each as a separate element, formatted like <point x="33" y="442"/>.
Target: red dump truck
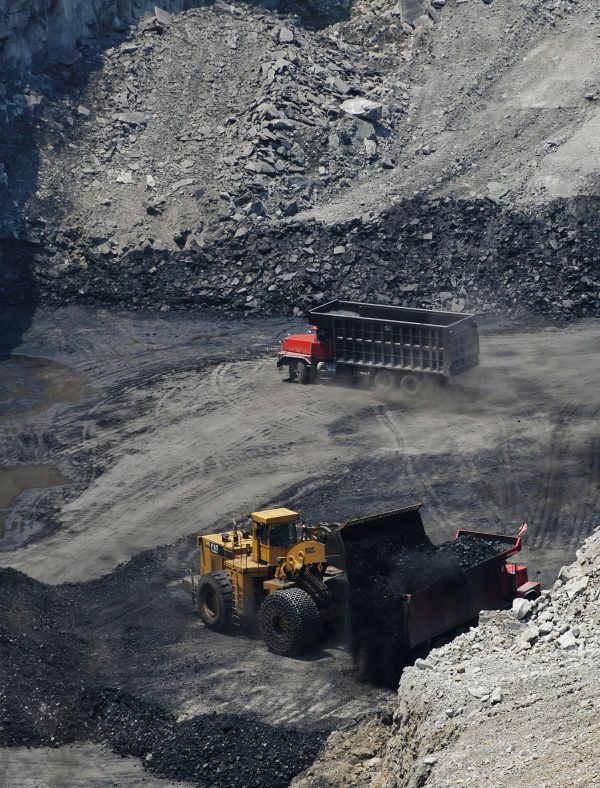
<point x="391" y="345"/>
<point x="403" y="592"/>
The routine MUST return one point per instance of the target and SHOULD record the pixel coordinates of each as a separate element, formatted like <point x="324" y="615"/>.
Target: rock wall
<point x="54" y="27"/>
<point x="29" y="28"/>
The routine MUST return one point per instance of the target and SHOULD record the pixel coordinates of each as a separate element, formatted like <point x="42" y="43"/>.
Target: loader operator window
<point x="283" y="535"/>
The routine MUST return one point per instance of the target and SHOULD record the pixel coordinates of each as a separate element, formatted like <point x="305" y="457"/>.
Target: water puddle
<point x="29" y="385"/>
<point x="13" y="482"/>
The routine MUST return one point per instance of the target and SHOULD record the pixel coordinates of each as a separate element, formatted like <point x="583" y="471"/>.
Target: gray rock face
<point x="30" y="27"/>
<point x="521" y="608"/>
<point x="567" y="641"/>
<point x="412" y="10"/>
<point x="530" y="634"/>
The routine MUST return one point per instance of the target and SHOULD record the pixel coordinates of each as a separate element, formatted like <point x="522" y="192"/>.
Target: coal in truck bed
<point x="404" y="591"/>
<point x="398" y="338"/>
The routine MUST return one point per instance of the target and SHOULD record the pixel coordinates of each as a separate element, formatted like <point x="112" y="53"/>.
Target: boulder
<point x="363" y="108"/>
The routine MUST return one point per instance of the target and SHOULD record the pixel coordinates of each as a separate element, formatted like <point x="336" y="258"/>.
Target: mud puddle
<point x="29" y="385"/>
<point x="14" y="482"/>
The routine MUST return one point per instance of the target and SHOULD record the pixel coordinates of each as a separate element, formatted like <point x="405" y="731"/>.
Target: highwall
<point x="29" y="28"/>
<point x="55" y="28"/>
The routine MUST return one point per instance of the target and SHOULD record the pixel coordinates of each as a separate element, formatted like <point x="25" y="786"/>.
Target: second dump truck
<point x="391" y="345"/>
<point x="297" y="582"/>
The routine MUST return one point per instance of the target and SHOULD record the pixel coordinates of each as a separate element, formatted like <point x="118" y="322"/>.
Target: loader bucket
<point x="370" y="550"/>
<point x="397" y="529"/>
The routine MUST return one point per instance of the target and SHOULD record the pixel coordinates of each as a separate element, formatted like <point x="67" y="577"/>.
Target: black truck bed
<point x="399" y="338"/>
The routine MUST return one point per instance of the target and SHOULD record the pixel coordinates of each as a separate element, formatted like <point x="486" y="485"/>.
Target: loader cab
<point x="274" y="531"/>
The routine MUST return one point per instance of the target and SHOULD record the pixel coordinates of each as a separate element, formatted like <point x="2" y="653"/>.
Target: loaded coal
<point x="383" y="567"/>
<point x="52" y="694"/>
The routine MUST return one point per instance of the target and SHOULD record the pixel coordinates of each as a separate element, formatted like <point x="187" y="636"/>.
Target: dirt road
<point x="183" y="423"/>
<point x="184" y="437"/>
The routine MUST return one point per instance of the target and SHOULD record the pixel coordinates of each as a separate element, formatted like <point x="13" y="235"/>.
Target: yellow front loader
<point x="273" y="571"/>
<point x="403" y="591"/>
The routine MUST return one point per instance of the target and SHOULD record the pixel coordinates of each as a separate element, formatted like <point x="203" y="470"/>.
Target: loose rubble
<point x="281" y="169"/>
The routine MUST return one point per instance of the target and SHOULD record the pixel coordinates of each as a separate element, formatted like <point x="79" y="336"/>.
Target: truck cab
<point x="301" y="353"/>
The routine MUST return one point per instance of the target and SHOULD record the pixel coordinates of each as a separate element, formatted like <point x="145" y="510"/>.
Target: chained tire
<point x="289" y="622"/>
<point x="215" y="596"/>
<point x="299" y="372"/>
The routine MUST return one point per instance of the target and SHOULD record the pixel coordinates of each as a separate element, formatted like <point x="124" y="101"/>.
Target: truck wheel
<point x="215" y="594"/>
<point x="384" y="380"/>
<point x="410" y="384"/>
<point x="299" y="372"/>
<point x="289" y="622"/>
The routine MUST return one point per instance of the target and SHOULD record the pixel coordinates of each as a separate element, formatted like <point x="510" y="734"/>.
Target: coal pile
<point x="225" y="750"/>
<point x="469" y="550"/>
<point x="43" y="664"/>
<point x="51" y="695"/>
<point x="443" y="243"/>
<point x="383" y="566"/>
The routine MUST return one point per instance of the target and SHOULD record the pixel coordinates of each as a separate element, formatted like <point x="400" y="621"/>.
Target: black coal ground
<point x="50" y="695"/>
<point x="226" y="750"/>
<point x="382" y="568"/>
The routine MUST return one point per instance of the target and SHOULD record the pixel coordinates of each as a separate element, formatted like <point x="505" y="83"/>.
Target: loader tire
<point x="215" y="595"/>
<point x="289" y="622"/>
<point x="299" y="372"/>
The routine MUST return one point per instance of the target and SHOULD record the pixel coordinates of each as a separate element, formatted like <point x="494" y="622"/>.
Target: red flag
<point x="523" y="528"/>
